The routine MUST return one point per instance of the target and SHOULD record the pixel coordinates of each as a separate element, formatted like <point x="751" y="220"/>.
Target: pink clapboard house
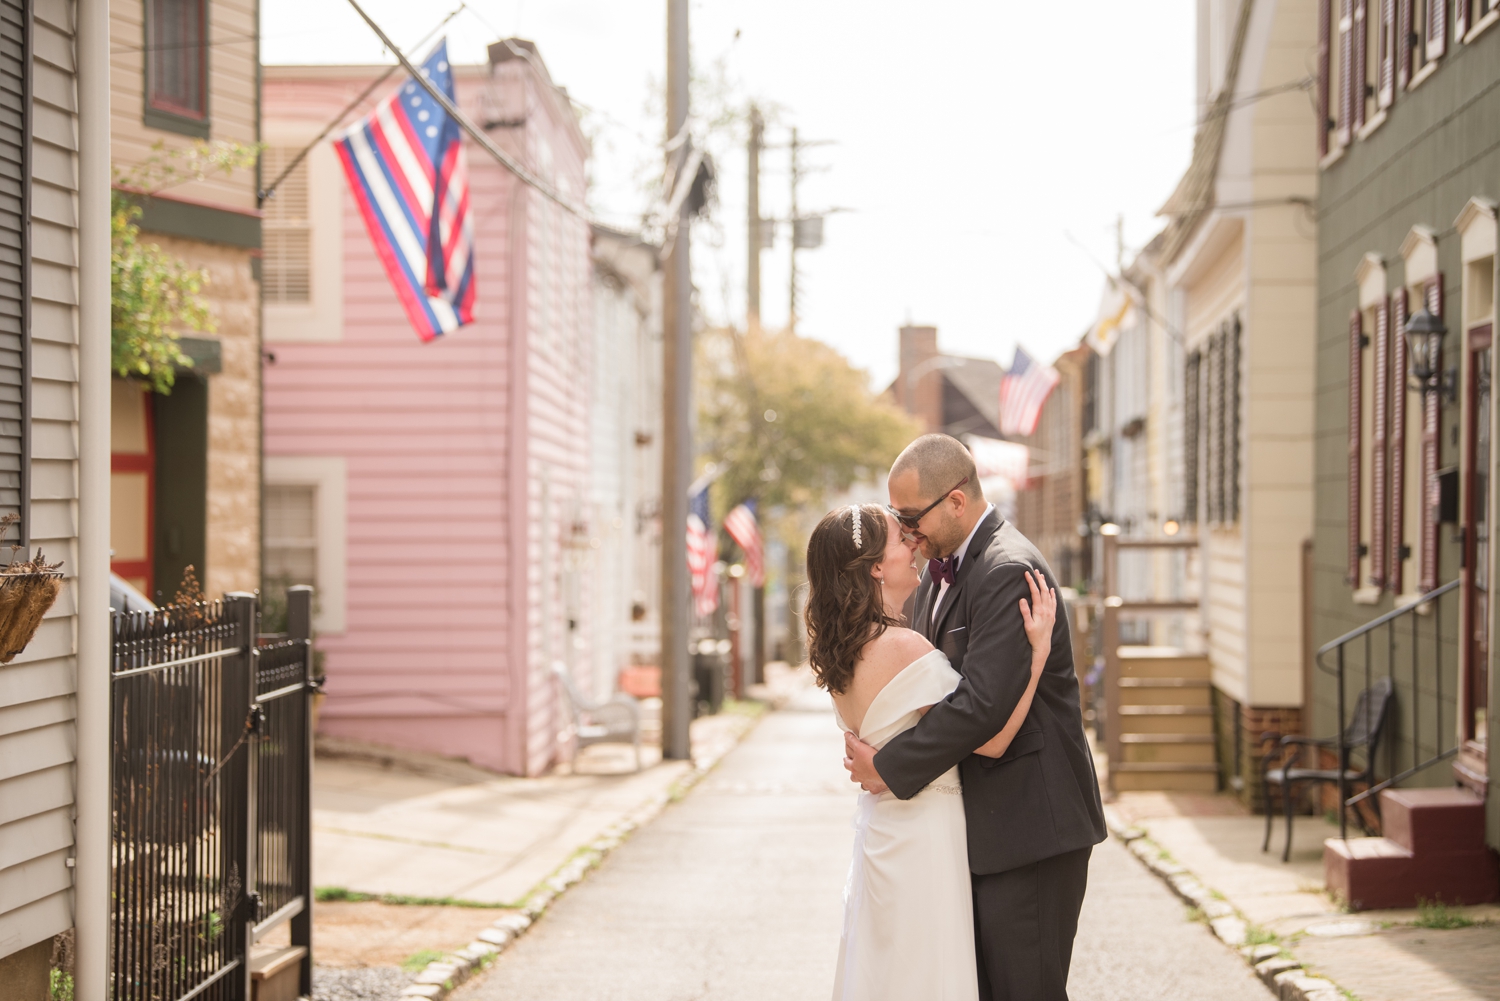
<point x="436" y="494"/>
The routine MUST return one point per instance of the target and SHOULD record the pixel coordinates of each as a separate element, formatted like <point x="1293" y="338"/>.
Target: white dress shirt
<point x="958" y="559"/>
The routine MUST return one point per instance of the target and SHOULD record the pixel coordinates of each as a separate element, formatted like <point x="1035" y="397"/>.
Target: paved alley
<point x="736" y="893"/>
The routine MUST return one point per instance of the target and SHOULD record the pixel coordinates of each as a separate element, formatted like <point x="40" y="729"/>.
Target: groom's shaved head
<point x="939" y="461"/>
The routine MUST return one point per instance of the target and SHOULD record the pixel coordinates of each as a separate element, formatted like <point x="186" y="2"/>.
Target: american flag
<point x="405" y="164"/>
<point x="701" y="553"/>
<point x="743" y="527"/>
<point x="1023" y="390"/>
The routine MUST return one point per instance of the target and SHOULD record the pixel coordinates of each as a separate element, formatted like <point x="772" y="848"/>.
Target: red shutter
<point x="1431" y="413"/>
<point x="1385" y="72"/>
<point x="1356" y="393"/>
<point x="1325" y="17"/>
<point x="1359" y="71"/>
<point x="1437" y="31"/>
<point x="1460" y="18"/>
<point x="1379" y="484"/>
<point x="1404" y="29"/>
<point x="1397" y="438"/>
<point x="1346" y="71"/>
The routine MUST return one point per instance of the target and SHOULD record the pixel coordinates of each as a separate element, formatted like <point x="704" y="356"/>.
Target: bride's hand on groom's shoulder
<point x="1040" y="613"/>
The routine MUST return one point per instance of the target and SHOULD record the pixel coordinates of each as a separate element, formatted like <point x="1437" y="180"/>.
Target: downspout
<point x="91" y="876"/>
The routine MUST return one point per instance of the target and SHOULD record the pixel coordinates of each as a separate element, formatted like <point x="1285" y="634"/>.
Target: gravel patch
<point x="370" y="983"/>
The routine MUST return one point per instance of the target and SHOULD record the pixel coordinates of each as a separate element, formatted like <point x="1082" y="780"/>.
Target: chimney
<point x="920" y="395"/>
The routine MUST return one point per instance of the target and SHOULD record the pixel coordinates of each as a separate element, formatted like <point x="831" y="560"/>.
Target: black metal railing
<point x="1412" y="657"/>
<point x="210" y="786"/>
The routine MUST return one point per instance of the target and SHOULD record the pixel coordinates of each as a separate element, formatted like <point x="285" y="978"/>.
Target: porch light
<point x="1424" y="345"/>
<point x="1109" y="528"/>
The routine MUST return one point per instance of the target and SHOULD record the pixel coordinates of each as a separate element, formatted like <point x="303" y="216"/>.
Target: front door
<point x="1474" y="687"/>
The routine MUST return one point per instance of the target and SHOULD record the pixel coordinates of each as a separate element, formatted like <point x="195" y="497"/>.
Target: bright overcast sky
<point x="974" y="142"/>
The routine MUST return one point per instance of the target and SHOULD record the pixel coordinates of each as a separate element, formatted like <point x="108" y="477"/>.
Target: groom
<point x="1034" y="814"/>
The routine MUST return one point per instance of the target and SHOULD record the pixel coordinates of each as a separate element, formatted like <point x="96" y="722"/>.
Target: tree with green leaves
<point x="154" y="295"/>
<point x="788" y="420"/>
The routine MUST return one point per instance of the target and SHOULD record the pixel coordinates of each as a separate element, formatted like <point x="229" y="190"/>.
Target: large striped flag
<point x="1023" y="390"/>
<point x="405" y="164"/>
<point x="743" y="527"/>
<point x="701" y="554"/>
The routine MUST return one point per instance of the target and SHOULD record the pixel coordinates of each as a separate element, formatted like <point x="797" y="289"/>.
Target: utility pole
<point x="755" y="245"/>
<point x="676" y="463"/>
<point x="791" y="312"/>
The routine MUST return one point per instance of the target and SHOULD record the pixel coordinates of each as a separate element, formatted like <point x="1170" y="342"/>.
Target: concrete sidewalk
<point x="1391" y="955"/>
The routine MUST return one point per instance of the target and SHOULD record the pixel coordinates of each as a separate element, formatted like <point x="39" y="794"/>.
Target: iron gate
<point x="211" y="796"/>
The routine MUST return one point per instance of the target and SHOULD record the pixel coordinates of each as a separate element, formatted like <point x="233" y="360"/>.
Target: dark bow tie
<point x="944" y="569"/>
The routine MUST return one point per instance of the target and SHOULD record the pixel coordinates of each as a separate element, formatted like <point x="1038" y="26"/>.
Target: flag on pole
<point x="1023" y="390"/>
<point x="701" y="553"/>
<point x="1004" y="460"/>
<point x="743" y="527"/>
<point x="405" y="165"/>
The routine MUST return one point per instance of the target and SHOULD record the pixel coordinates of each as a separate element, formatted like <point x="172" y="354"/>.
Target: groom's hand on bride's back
<point x="859" y="762"/>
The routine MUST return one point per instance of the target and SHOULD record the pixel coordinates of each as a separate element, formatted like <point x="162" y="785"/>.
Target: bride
<point x="908" y="909"/>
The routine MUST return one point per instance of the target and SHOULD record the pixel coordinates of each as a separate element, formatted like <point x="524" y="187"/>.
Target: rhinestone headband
<point x="859" y="539"/>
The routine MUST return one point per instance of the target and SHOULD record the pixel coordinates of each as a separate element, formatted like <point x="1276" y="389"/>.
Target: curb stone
<point x="1283" y="975"/>
<point x="441" y="976"/>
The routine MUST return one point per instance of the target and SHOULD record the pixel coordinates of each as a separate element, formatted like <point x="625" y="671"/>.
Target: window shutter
<point x="15" y="262"/>
<point x="1356" y="393"/>
<point x="1460" y="19"/>
<point x="1359" y="72"/>
<point x="1396" y="560"/>
<point x="286" y="231"/>
<point x="1386" y="70"/>
<point x="1379" y="482"/>
<point x="1233" y="487"/>
<point x="1437" y="31"/>
<point x="1405" y="40"/>
<point x="1190" y="425"/>
<point x="1216" y="470"/>
<point x="1346" y="70"/>
<point x="1324" y="104"/>
<point x="1431" y="413"/>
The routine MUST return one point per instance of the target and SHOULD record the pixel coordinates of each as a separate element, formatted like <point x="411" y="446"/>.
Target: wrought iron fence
<point x="210" y="784"/>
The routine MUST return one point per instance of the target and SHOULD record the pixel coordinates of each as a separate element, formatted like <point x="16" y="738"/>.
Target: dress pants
<point x="1024" y="923"/>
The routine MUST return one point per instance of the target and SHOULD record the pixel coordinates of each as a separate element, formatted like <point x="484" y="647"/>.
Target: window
<point x="15" y="286"/>
<point x="1211" y="404"/>
<point x="177" y="65"/>
<point x="304" y="507"/>
<point x="291" y="534"/>
<point x="286" y="230"/>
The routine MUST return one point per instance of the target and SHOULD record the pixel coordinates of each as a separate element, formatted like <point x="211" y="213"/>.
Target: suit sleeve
<point x="996" y="671"/>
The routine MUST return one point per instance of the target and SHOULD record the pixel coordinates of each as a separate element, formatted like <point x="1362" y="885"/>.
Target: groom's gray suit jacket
<point x="1041" y="798"/>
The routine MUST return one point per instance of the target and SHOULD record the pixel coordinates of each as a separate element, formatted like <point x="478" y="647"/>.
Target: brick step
<point x="1165" y="710"/>
<point x="1165" y="683"/>
<point x="1433" y="820"/>
<point x="1166" y="738"/>
<point x="1370" y="873"/>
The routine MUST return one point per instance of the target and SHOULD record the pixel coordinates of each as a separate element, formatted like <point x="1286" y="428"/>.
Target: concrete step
<point x="1186" y="720"/>
<point x="1162" y="662"/>
<point x="1129" y="776"/>
<point x="1190" y="694"/>
<point x="276" y="972"/>
<point x="1433" y="820"/>
<point x="1177" y="751"/>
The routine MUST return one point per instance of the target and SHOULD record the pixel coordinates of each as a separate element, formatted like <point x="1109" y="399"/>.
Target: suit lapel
<point x="987" y="528"/>
<point x="923" y="621"/>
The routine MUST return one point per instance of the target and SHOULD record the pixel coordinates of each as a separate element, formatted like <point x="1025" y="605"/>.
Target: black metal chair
<point x="1363" y="733"/>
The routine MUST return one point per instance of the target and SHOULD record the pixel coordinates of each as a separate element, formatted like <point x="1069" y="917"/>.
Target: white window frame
<point x="321" y="318"/>
<point x="328" y="476"/>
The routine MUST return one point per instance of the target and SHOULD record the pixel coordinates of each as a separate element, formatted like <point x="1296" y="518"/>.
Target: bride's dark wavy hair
<point x="844" y="609"/>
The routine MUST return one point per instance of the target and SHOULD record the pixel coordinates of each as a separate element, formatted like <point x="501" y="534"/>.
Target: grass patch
<point x="1196" y="914"/>
<point x="743" y="707"/>
<point x="339" y="893"/>
<point x="419" y="960"/>
<point x="61" y="986"/>
<point x="1256" y="935"/>
<point x="1439" y="916"/>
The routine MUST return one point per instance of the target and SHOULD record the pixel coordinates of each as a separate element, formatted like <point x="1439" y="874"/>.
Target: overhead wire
<point x="269" y="191"/>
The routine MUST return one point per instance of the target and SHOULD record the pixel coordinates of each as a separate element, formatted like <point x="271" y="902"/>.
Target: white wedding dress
<point x="908" y="908"/>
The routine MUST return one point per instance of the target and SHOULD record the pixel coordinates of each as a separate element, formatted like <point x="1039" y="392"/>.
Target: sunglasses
<point x="911" y="521"/>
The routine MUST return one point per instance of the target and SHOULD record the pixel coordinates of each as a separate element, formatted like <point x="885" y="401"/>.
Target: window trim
<point x="180" y="121"/>
<point x="321" y="319"/>
<point x="28" y="96"/>
<point x="328" y="475"/>
<point x="1482" y="25"/>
